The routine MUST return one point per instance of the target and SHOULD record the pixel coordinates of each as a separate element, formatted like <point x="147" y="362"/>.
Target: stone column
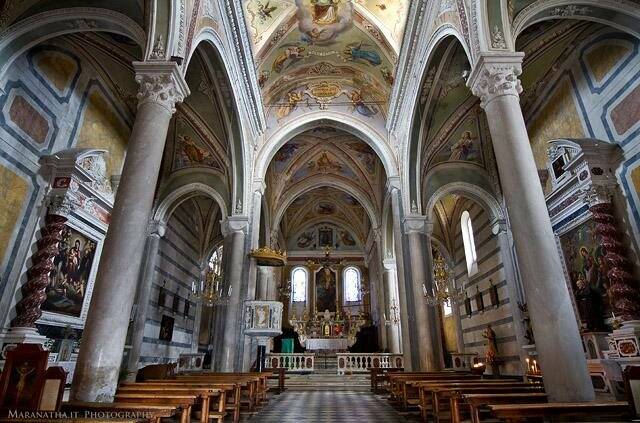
<point x="404" y="294"/>
<point x="427" y="332"/>
<point x="393" y="326"/>
<point x="235" y="227"/>
<point x="98" y="366"/>
<point x="495" y="80"/>
<point x="156" y="231"/>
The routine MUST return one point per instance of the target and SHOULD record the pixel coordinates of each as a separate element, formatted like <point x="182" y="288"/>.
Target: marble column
<point x="156" y="231"/>
<point x="392" y="315"/>
<point x="427" y="332"/>
<point x="235" y="228"/>
<point x="495" y="80"/>
<point x="401" y="274"/>
<point x="103" y="340"/>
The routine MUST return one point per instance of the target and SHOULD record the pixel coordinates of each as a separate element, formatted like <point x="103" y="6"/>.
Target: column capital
<point x="416" y="223"/>
<point x="235" y="223"/>
<point x="157" y="228"/>
<point x="498" y="226"/>
<point x="259" y="186"/>
<point x="160" y="83"/>
<point x="496" y="75"/>
<point x="389" y="264"/>
<point x="596" y="194"/>
<point x="393" y="183"/>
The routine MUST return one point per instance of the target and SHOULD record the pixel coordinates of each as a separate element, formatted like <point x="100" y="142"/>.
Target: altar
<point x="326" y="344"/>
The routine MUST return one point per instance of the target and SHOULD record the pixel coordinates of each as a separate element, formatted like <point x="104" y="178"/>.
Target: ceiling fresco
<point x="330" y="157"/>
<point x="326" y="54"/>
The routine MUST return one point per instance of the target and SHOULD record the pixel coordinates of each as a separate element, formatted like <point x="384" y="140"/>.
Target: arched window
<point x="469" y="243"/>
<point x="299" y="280"/>
<point x="352" y="284"/>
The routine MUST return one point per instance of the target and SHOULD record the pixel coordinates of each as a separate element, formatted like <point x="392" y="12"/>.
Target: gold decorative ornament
<point x="269" y="257"/>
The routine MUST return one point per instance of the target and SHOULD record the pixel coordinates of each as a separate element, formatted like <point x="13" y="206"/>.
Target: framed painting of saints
<point x="70" y="277"/>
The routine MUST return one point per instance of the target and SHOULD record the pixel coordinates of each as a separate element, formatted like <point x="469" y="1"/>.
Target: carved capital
<point x="61" y="205"/>
<point x="499" y="226"/>
<point x="415" y="223"/>
<point x="160" y="83"/>
<point x="389" y="264"/>
<point x="595" y="195"/>
<point x="393" y="183"/>
<point x="157" y="228"/>
<point x="496" y="76"/>
<point x="235" y="224"/>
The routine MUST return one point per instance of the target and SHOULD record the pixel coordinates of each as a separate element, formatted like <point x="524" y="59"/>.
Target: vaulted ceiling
<point x="325" y="176"/>
<point x="326" y="53"/>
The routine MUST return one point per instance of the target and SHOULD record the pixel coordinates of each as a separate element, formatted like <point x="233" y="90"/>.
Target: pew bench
<point x="477" y="403"/>
<point x="405" y="391"/>
<point x="434" y="396"/>
<point x="232" y="391"/>
<point x="512" y="413"/>
<point x="379" y="375"/>
<point x="206" y="396"/>
<point x="153" y="413"/>
<point x="184" y="402"/>
<point x="280" y="375"/>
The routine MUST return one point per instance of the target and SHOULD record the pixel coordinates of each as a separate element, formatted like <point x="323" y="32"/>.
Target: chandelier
<point x="211" y="288"/>
<point x="440" y="292"/>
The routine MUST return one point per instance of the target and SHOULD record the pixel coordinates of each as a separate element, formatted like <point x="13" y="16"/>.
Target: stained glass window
<point x="299" y="279"/>
<point x="351" y="284"/>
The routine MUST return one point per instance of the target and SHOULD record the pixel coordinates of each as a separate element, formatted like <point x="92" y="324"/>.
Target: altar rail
<point x="304" y="362"/>
<point x="360" y="363"/>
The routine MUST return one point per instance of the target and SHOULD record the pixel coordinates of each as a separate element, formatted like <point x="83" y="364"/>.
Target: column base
<point x="11" y="337"/>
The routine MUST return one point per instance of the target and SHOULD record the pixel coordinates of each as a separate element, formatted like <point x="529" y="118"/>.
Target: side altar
<point x="330" y="331"/>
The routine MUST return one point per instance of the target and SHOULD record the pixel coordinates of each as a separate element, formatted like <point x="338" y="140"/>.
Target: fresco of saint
<point x="325" y="12"/>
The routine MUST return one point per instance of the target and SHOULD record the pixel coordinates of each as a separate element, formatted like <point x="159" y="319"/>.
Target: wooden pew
<point x="380" y="374"/>
<point x="280" y="375"/>
<point x="153" y="412"/>
<point x="478" y="402"/>
<point x="232" y="390"/>
<point x="403" y="386"/>
<point x="254" y="385"/>
<point x="185" y="402"/>
<point x="512" y="413"/>
<point x="206" y="397"/>
<point x="432" y="393"/>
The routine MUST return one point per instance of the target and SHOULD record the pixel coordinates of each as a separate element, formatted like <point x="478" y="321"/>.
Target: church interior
<point x="320" y="210"/>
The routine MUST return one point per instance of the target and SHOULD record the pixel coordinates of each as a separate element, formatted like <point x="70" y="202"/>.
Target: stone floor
<point x="326" y="406"/>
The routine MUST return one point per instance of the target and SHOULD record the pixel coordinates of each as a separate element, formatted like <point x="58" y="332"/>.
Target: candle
<point x="528" y="365"/>
<point x="535" y="367"/>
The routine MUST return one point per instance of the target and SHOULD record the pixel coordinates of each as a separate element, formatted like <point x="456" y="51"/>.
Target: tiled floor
<point x="327" y="406"/>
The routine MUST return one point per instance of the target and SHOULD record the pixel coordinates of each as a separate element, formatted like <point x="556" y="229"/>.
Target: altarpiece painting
<point x="326" y="290"/>
<point x="69" y="279"/>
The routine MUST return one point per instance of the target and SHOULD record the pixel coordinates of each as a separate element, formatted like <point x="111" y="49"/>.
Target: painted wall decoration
<point x="583" y="257"/>
<point x="69" y="279"/>
<point x="326" y="297"/>
<point x="306" y="239"/>
<point x="191" y="150"/>
<point x="13" y="191"/>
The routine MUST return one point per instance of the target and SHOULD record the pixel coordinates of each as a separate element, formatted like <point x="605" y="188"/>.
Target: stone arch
<point x="357" y="193"/>
<point x="411" y="172"/>
<point x="626" y="15"/>
<point x="486" y="200"/>
<point x="357" y="127"/>
<point x="235" y="125"/>
<point x="27" y="33"/>
<point x="172" y="201"/>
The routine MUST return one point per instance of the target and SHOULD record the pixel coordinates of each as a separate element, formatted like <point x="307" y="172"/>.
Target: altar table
<point x="334" y="344"/>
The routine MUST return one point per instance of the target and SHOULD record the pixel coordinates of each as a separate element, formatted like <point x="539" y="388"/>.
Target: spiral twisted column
<point x="33" y="291"/>
<point x="623" y="292"/>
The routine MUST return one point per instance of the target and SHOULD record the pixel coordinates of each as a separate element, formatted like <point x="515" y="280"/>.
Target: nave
<point x="201" y="198"/>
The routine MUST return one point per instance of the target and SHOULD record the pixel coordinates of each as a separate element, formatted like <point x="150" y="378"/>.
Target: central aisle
<point x="327" y="406"/>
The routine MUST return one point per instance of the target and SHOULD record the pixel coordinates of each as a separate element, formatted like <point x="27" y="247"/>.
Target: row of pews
<point x="203" y="397"/>
<point x="458" y="396"/>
